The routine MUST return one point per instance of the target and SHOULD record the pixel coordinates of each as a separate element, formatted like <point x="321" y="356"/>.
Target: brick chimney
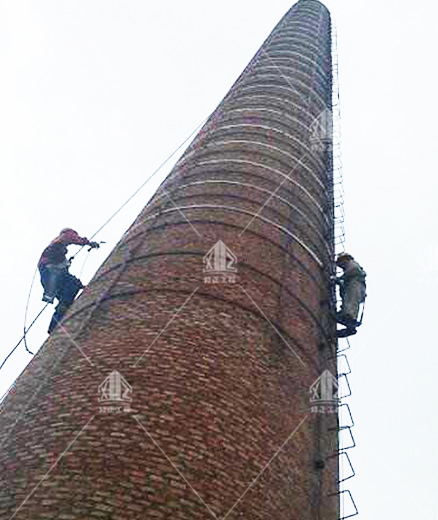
<point x="183" y="383"/>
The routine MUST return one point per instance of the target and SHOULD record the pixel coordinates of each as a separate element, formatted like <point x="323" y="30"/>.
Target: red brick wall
<point x="220" y="372"/>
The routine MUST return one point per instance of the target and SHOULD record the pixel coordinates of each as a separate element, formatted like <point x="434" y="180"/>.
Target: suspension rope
<point x="24" y="335"/>
<point x="84" y="262"/>
<point x="25" y="312"/>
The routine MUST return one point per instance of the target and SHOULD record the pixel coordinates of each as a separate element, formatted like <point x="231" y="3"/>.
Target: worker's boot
<point x="52" y="325"/>
<point x="345" y="333"/>
<point x="57" y="316"/>
<point x="346" y="320"/>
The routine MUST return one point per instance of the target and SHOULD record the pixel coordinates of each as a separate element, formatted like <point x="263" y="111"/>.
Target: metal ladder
<point x="345" y="439"/>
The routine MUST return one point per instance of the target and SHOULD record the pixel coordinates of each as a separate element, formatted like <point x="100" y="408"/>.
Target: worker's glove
<point x="94" y="245"/>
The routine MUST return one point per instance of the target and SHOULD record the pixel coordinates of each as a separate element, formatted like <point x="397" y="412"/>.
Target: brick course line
<point x="272" y="325"/>
<point x="173" y="465"/>
<point x="283" y="200"/>
<point x="264" y="219"/>
<point x="53" y="465"/>
<point x="185" y="218"/>
<point x="287" y="178"/>
<point x="267" y="465"/>
<point x="168" y="323"/>
<point x="74" y="343"/>
<point x="263" y="166"/>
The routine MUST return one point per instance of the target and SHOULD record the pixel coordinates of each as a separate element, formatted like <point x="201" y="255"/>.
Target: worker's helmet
<point x="68" y="230"/>
<point x="343" y="258"/>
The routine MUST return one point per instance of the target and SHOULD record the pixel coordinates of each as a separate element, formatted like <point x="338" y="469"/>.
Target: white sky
<point x="94" y="95"/>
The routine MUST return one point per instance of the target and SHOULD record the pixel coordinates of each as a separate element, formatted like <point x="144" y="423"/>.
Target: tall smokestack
<point x="190" y="380"/>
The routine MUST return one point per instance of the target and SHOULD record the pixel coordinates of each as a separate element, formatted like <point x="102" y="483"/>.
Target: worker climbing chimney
<point x="195" y="377"/>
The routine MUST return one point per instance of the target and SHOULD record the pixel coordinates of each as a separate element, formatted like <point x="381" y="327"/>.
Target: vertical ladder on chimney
<point x="345" y="435"/>
<point x="338" y="190"/>
<point x="345" y="440"/>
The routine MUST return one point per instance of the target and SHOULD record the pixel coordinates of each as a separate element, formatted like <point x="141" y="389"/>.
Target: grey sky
<point x="95" y="95"/>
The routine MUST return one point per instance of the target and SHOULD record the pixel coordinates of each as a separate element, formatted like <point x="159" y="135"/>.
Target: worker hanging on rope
<point x="352" y="289"/>
<point x="57" y="282"/>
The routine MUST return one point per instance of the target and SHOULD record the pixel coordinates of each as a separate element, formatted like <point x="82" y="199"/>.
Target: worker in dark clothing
<point x="55" y="278"/>
<point x="352" y="289"/>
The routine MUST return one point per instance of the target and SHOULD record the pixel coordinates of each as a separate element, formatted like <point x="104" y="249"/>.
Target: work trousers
<point x="353" y="294"/>
<point x="63" y="285"/>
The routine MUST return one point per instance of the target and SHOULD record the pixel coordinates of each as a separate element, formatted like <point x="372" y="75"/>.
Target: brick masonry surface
<point x="175" y="392"/>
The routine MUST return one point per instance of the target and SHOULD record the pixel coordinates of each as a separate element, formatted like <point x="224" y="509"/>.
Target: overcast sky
<point x="96" y="94"/>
